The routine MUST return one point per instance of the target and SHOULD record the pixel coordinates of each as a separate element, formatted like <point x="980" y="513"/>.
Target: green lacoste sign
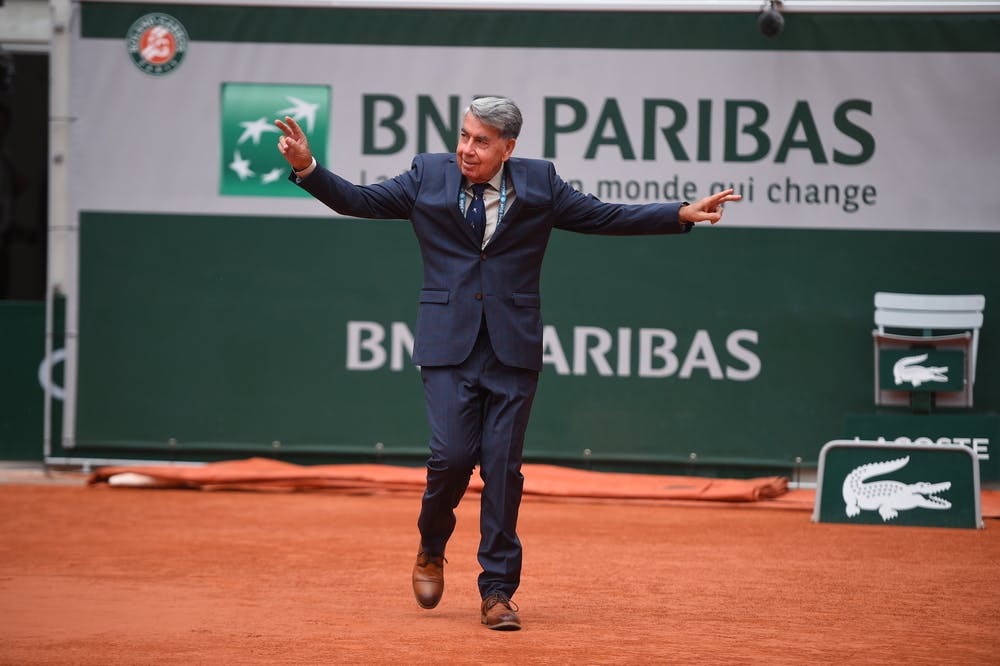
<point x="922" y="369"/>
<point x="980" y="433"/>
<point x="250" y="164"/>
<point x="873" y="483"/>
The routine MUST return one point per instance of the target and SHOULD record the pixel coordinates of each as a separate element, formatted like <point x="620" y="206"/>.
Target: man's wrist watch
<point x="685" y="226"/>
<point x="312" y="162"/>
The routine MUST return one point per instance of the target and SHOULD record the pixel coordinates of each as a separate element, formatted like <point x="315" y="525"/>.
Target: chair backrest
<point x="929" y="312"/>
<point x="924" y="311"/>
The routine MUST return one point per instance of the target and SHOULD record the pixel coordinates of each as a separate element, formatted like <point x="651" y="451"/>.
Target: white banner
<point x="812" y="140"/>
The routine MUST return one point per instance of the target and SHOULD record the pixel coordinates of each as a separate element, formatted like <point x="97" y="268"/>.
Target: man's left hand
<point x="293" y="144"/>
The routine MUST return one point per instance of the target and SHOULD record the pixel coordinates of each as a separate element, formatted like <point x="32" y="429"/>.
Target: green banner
<point x="559" y="29"/>
<point x="291" y="335"/>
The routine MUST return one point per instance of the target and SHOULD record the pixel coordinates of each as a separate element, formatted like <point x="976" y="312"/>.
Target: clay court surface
<point x="106" y="575"/>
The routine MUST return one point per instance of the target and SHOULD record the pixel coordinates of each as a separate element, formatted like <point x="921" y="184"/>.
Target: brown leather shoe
<point x="499" y="612"/>
<point x="428" y="579"/>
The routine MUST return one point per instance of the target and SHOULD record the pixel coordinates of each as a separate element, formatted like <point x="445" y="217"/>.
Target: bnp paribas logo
<point x="250" y="164"/>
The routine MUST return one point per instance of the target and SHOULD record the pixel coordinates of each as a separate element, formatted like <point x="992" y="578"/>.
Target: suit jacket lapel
<point x="518" y="176"/>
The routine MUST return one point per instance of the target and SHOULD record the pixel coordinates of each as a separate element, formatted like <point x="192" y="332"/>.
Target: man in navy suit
<point x="482" y="219"/>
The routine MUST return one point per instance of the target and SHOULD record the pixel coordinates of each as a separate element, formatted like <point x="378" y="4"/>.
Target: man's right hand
<point x="293" y="145"/>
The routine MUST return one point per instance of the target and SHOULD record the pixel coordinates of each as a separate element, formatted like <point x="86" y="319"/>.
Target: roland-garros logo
<point x="157" y="43"/>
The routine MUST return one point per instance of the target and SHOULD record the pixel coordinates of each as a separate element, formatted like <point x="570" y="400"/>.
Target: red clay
<point x="100" y="575"/>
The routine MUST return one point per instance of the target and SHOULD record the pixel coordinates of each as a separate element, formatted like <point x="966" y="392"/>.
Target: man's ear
<point x="509" y="149"/>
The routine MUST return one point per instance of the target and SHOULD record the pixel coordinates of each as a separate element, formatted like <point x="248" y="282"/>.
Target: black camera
<point x="771" y="22"/>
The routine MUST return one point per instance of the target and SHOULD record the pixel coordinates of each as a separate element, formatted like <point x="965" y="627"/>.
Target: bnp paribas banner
<point x="864" y="146"/>
<point x="843" y="134"/>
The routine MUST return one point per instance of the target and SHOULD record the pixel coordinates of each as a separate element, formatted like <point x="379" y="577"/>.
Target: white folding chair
<point x="938" y="321"/>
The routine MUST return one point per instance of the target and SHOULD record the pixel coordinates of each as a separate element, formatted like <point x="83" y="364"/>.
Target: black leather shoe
<point x="499" y="612"/>
<point x="428" y="579"/>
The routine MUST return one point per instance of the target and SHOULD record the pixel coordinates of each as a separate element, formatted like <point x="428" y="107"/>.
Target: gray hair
<point x="498" y="112"/>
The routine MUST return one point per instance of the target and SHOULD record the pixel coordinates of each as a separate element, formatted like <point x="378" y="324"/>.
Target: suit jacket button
<point x="483" y="256"/>
<point x="479" y="296"/>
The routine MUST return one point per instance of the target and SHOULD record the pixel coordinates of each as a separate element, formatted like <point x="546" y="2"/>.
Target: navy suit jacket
<point x="463" y="283"/>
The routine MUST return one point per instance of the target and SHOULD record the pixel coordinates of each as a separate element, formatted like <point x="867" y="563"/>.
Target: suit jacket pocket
<point x="434" y="295"/>
<point x="527" y="300"/>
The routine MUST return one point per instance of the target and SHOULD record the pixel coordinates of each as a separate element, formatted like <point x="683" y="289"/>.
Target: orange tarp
<point x="540" y="480"/>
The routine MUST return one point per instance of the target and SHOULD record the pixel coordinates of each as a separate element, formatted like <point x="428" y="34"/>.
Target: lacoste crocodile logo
<point x="908" y="369"/>
<point x="889" y="497"/>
